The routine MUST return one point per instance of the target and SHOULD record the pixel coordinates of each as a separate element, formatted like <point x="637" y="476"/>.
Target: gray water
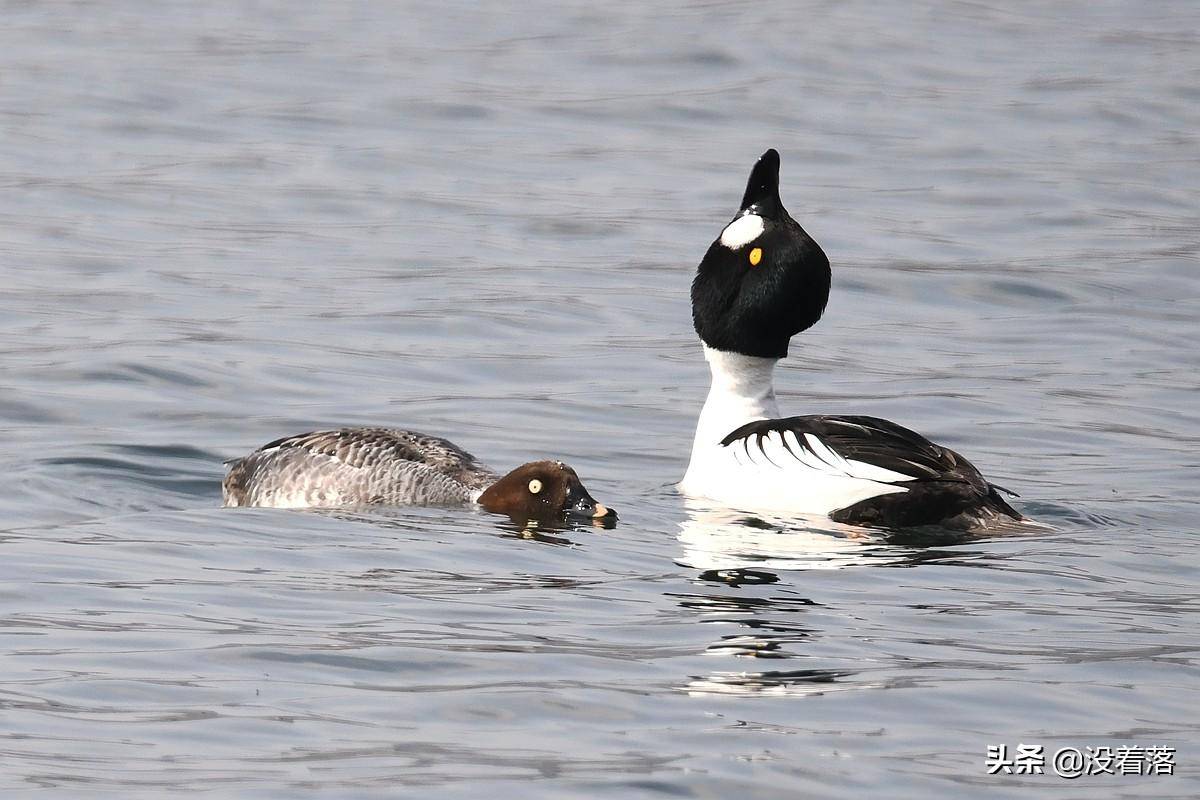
<point x="220" y="226"/>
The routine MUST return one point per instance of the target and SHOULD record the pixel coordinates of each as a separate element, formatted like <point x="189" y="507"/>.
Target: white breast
<point x="798" y="479"/>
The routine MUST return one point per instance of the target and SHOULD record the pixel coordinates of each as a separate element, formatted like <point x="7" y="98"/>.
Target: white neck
<point x="742" y="391"/>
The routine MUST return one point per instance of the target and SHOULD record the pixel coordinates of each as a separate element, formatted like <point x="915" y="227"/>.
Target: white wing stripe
<point x="779" y="449"/>
<point x="825" y="454"/>
<point x="805" y="455"/>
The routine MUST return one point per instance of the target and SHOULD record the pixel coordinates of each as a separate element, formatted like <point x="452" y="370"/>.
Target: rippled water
<point x="221" y="226"/>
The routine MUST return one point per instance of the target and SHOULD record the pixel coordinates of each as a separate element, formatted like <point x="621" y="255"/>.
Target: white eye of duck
<point x="535" y="486"/>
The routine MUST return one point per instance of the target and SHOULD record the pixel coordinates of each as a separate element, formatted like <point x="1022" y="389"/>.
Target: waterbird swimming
<point x="762" y="281"/>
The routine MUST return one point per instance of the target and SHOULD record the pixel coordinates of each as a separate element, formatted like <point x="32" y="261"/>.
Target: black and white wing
<point x="882" y="473"/>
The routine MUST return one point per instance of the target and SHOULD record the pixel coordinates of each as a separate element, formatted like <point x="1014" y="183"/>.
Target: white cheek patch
<point x="741" y="231"/>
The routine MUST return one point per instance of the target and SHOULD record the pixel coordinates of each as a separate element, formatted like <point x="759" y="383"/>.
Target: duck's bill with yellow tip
<point x="546" y="491"/>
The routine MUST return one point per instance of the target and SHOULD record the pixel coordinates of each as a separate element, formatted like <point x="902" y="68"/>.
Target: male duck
<point x="761" y="282"/>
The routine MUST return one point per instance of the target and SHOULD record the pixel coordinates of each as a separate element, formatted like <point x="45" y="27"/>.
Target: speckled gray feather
<point x="355" y="466"/>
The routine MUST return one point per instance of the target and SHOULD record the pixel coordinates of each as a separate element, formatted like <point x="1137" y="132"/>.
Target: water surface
<point x="222" y="226"/>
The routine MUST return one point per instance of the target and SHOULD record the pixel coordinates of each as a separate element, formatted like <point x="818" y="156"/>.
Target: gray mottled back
<point x="355" y="466"/>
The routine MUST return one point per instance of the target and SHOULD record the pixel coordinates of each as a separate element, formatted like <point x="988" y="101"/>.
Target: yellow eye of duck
<point x="755" y="256"/>
<point x="535" y="486"/>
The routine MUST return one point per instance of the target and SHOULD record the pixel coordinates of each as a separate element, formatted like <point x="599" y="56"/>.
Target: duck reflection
<point x="555" y="531"/>
<point x="739" y="560"/>
<point x="422" y="519"/>
<point x="771" y="626"/>
<point x="717" y="540"/>
<point x="773" y="682"/>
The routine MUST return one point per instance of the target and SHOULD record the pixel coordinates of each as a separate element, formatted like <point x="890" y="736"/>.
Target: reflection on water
<point x="747" y="552"/>
<point x="771" y="627"/>
<point x="718" y="540"/>
<point x="742" y="547"/>
<point x="772" y="683"/>
<point x="739" y="547"/>
<point x="553" y="532"/>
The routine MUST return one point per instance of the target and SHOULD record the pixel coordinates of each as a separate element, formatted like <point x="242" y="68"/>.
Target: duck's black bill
<point x="762" y="190"/>
<point x="581" y="504"/>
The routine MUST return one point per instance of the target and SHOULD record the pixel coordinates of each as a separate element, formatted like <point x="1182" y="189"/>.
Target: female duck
<point x="385" y="466"/>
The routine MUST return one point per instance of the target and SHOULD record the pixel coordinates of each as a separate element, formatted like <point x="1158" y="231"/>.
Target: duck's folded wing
<point x="352" y="466"/>
<point x="371" y="447"/>
<point x="936" y="482"/>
